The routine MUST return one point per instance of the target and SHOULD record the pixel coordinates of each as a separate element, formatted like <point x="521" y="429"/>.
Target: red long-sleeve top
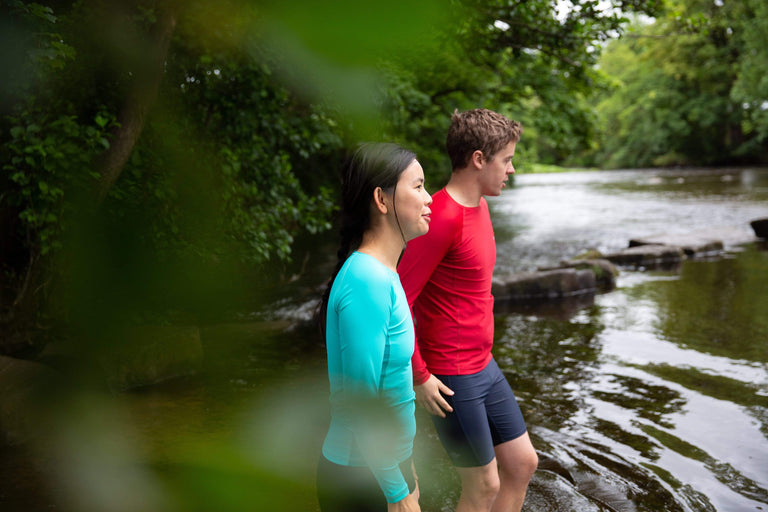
<point x="446" y="275"/>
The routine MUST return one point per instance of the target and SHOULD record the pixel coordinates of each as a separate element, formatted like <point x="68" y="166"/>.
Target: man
<point x="447" y="277"/>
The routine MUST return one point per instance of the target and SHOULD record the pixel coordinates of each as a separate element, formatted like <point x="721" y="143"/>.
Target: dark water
<point x="652" y="397"/>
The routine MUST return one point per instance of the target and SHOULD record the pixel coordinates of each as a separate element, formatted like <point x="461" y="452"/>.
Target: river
<point x="650" y="397"/>
<point x="653" y="396"/>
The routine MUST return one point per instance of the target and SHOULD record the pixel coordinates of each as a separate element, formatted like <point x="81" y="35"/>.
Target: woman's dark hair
<point x="372" y="165"/>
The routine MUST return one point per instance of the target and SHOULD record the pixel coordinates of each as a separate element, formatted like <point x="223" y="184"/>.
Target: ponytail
<point x="371" y="166"/>
<point x="351" y="237"/>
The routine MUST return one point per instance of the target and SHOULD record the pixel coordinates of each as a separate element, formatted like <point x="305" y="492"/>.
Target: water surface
<point x="653" y="396"/>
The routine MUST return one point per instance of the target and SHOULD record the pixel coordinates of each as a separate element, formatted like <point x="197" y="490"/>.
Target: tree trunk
<point x="138" y="102"/>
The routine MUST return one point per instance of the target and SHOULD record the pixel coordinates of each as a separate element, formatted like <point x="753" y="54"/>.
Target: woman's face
<point x="412" y="202"/>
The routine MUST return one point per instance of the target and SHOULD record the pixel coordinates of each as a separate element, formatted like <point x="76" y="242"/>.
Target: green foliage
<point x="681" y="89"/>
<point x="44" y="156"/>
<point x="751" y="86"/>
<point x="268" y="156"/>
<point x="518" y="58"/>
<point x="218" y="170"/>
<point x="46" y="147"/>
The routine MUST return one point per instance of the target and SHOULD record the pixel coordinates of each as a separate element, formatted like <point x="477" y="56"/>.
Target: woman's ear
<point x="477" y="159"/>
<point x="378" y="200"/>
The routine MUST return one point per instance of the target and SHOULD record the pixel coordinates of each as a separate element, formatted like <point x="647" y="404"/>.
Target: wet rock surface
<point x="691" y="245"/>
<point x="647" y="256"/>
<point x="605" y="271"/>
<point x="548" y="284"/>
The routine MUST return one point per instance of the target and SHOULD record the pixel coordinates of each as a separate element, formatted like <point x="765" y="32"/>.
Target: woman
<point x="366" y="457"/>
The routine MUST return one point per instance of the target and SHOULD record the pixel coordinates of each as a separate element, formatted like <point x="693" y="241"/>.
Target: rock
<point x="589" y="254"/>
<point x="760" y="226"/>
<point x="549" y="491"/>
<point x="19" y="383"/>
<point x="646" y="256"/>
<point x="605" y="271"/>
<point x="148" y="355"/>
<point x="549" y="284"/>
<point x="691" y="244"/>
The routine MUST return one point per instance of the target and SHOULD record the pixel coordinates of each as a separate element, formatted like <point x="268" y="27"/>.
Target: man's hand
<point x="428" y="395"/>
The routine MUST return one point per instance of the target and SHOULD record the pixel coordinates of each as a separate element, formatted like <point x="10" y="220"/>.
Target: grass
<point x="534" y="168"/>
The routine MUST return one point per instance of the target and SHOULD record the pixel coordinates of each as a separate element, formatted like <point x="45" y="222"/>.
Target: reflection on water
<point x="654" y="396"/>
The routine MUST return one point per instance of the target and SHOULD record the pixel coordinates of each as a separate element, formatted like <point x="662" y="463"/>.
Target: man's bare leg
<point x="517" y="461"/>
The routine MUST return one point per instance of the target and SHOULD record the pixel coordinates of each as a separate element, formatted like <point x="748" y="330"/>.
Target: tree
<point x="154" y="151"/>
<point x="681" y="89"/>
<point x="523" y="58"/>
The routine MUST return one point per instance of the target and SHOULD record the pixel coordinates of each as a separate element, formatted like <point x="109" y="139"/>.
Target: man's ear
<point x="477" y="159"/>
<point x="378" y="200"/>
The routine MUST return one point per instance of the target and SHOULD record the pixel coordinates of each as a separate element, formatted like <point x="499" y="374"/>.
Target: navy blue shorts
<point x="485" y="414"/>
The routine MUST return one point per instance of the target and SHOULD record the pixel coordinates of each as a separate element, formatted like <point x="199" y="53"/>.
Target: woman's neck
<point x="384" y="246"/>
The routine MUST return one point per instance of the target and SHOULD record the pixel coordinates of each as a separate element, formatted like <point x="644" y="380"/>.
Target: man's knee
<point x="522" y="466"/>
<point x="530" y="462"/>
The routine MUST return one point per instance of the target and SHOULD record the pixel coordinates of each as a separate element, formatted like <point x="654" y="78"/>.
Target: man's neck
<point x="464" y="188"/>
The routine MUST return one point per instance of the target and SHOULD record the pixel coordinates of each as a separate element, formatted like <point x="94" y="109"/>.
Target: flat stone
<point x="701" y="242"/>
<point x="549" y="284"/>
<point x="605" y="271"/>
<point x="647" y="256"/>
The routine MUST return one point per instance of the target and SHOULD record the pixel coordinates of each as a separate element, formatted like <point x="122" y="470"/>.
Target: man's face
<point x="496" y="170"/>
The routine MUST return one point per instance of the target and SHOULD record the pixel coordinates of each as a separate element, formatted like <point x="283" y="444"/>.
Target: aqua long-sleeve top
<point x="370" y="340"/>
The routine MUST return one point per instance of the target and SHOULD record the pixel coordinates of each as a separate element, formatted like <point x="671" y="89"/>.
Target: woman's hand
<point x="408" y="504"/>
